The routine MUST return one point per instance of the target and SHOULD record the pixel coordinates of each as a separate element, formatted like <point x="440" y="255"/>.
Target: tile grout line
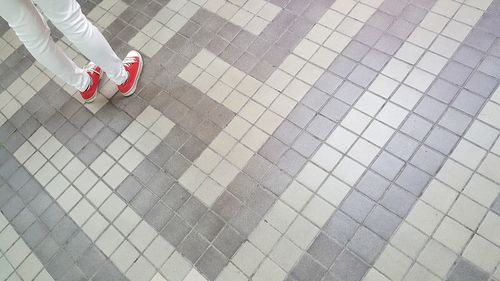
<point x="16" y="258"/>
<point x="67" y="186"/>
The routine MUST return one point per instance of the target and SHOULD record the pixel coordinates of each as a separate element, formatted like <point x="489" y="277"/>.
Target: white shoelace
<point x="129" y="60"/>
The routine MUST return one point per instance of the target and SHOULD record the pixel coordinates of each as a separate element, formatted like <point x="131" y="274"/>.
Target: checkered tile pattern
<point x="269" y="140"/>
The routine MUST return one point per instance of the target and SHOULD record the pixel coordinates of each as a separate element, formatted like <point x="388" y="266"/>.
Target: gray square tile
<point x="175" y="231"/>
<point x="428" y="160"/>
<point x="257" y="167"/>
<point x="261" y="200"/>
<point x="348" y="267"/>
<point x="328" y="83"/>
<point x="144" y="201"/>
<point x="129" y="188"/>
<point x="480" y="39"/>
<point x="401" y="28"/>
<point x="430" y="108"/>
<point x="245" y="221"/>
<point x="456" y="72"/>
<point x="19" y="178"/>
<point x="145" y="171"/>
<point x="481" y="84"/>
<point x="342" y="66"/>
<point x="228" y="241"/>
<point x="355" y="50"/>
<point x="23" y="220"/>
<point x="159" y="216"/>
<point x="412" y="179"/>
<point x="273" y="149"/>
<point x="12" y="208"/>
<point x="176" y="165"/>
<point x="496" y="205"/>
<point x="387" y="165"/>
<point x="276" y="181"/>
<point x="402" y="146"/>
<point x="46" y="250"/>
<point x="468" y="102"/>
<point x="398" y="200"/>
<point x="306" y="144"/>
<point x="375" y="59"/>
<point x="380" y="20"/>
<point x="301" y="115"/>
<point x="161" y="154"/>
<point x="416" y="127"/>
<point x="192" y="210"/>
<point x="108" y="272"/>
<point x="193" y="246"/>
<point x="211" y="263"/>
<point x="464" y="270"/>
<point x="357" y="206"/>
<point x="308" y="269"/>
<point x="388" y="44"/>
<point x="64" y="230"/>
<point x="382" y="222"/>
<point x="320" y="127"/>
<point x="40" y="203"/>
<point x="176" y="138"/>
<point x="325" y="250"/>
<point x="315" y="99"/>
<point x="105" y="137"/>
<point x="372" y="185"/>
<point x="176" y="196"/>
<point x="366" y="244"/>
<point x="348" y="93"/>
<point x="160" y="183"/>
<point x="468" y="56"/>
<point x="59" y="264"/>
<point x="413" y="13"/>
<point x="78" y="245"/>
<point x="227" y="206"/>
<point x="35" y="234"/>
<point x="192" y="148"/>
<point x="210" y="225"/>
<point x="442" y="140"/>
<point x="455" y="121"/>
<point x="287" y="132"/>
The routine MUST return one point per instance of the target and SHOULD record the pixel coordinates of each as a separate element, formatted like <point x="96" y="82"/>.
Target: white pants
<point x="66" y="15"/>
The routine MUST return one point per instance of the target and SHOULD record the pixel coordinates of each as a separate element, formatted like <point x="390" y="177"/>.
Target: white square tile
<point x="341" y="139"/>
<point x="369" y="103"/>
<point x="69" y="198"/>
<point x="109" y="240"/>
<point x="363" y="151"/>
<point x="82" y="211"/>
<point x="254" y="139"/>
<point x="334" y="191"/>
<point x="311" y="176"/>
<point x="268" y="270"/>
<point x="438" y="258"/>
<point x="131" y="159"/>
<point x="248" y="258"/>
<point x="159" y="251"/>
<point x="392" y="115"/>
<point x="439" y="196"/>
<point x="176" y="267"/>
<point x="285" y="254"/>
<point x="124" y="256"/>
<point x="349" y="171"/>
<point x="326" y="157"/>
<point x="318" y="211"/>
<point x="396" y="69"/>
<point x="142" y="235"/>
<point x="424" y="217"/>
<point x="112" y="207"/>
<point x="95" y="226"/>
<point x="406" y="97"/>
<point x="482" y="190"/>
<point x="482" y="253"/>
<point x="422" y="37"/>
<point x="331" y="19"/>
<point x="355" y="121"/>
<point x="306" y="49"/>
<point x="393" y="263"/>
<point x="297" y="195"/>
<point x="409" y="52"/>
<point x="17" y="253"/>
<point x="489" y="167"/>
<point x="85" y="181"/>
<point x="490" y="228"/>
<point x="296" y="89"/>
<point x="302" y="232"/>
<point x="468" y="154"/>
<point x="264" y="237"/>
<point x="432" y="63"/>
<point x="467" y="212"/>
<point x="280" y="216"/>
<point x="127" y="221"/>
<point x="454" y="174"/>
<point x="239" y="156"/>
<point x="209" y="191"/>
<point x="141" y="270"/>
<point x="452" y="234"/>
<point x="378" y="133"/>
<point x="419" y="79"/>
<point x="115" y="176"/>
<point x="409" y="240"/>
<point x="224" y="173"/>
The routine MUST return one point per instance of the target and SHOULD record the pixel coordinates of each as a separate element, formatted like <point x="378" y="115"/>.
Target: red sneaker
<point x="95" y="73"/>
<point x="133" y="65"/>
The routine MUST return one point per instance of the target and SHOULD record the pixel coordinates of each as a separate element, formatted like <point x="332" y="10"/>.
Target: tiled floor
<point x="270" y="140"/>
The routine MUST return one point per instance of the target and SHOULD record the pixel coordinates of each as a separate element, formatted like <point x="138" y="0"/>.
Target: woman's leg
<point x="32" y="30"/>
<point x="67" y="16"/>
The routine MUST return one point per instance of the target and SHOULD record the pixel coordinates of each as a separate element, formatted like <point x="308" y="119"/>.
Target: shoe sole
<point x="132" y="90"/>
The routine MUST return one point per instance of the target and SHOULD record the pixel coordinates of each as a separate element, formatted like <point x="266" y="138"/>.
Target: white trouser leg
<point x="33" y="31"/>
<point x="67" y="16"/>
